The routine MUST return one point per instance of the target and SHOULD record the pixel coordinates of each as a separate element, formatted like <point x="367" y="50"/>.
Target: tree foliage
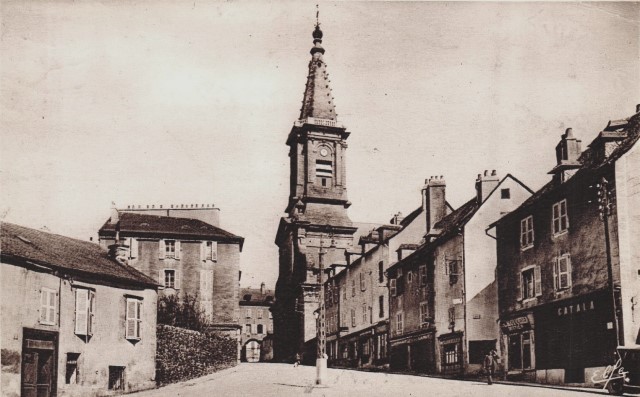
<point x="182" y="312"/>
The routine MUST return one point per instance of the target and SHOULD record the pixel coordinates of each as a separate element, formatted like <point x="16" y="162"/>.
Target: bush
<point x="182" y="313"/>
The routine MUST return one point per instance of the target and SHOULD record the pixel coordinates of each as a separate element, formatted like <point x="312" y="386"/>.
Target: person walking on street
<point x="490" y="363"/>
<point x="297" y="360"/>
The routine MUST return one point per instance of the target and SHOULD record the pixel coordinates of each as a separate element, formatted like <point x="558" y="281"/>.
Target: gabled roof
<point x="24" y="246"/>
<point x="139" y="225"/>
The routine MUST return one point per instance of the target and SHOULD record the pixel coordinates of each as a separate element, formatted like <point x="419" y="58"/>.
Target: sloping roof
<point x="68" y="255"/>
<point x="591" y="163"/>
<point x="139" y="225"/>
<point x="458" y="217"/>
<point x="256" y="297"/>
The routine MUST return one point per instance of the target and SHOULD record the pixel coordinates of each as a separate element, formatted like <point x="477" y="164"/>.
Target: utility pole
<point x="321" y="355"/>
<point x="605" y="208"/>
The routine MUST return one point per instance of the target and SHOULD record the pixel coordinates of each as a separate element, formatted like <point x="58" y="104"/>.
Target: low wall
<point x="184" y="354"/>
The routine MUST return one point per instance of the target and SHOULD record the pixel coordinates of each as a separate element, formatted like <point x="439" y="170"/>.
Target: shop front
<point x="414" y="353"/>
<point x="575" y="336"/>
<point x="518" y="345"/>
<point x="451" y="354"/>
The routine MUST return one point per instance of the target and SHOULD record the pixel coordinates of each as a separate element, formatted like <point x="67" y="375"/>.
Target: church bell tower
<point x="316" y="213"/>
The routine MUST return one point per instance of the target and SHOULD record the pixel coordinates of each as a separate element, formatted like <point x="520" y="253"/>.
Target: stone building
<point x="568" y="272"/>
<point x="443" y="296"/>
<point x="357" y="295"/>
<point x="316" y="212"/>
<point x="257" y="322"/>
<point x="185" y="250"/>
<point x="75" y="321"/>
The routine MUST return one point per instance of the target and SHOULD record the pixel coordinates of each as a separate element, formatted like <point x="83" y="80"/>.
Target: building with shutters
<point x="184" y="249"/>
<point x="257" y="322"/>
<point x="568" y="262"/>
<point x="75" y="321"/>
<point x="443" y="307"/>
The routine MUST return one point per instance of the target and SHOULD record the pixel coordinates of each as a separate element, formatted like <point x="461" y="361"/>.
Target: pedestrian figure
<point x="490" y="363"/>
<point x="297" y="360"/>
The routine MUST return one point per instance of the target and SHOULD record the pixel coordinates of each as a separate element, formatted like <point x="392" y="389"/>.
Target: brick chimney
<point x="262" y="288"/>
<point x="485" y="184"/>
<point x="115" y="216"/>
<point x="433" y="200"/>
<point x="397" y="218"/>
<point x="568" y="149"/>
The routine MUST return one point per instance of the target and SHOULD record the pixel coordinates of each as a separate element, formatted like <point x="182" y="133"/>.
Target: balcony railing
<point x="317" y="121"/>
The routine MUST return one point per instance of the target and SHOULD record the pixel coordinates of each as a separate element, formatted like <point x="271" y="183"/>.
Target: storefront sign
<point x="612" y="372"/>
<point x="515" y="324"/>
<point x="575" y="308"/>
<point x="412" y="339"/>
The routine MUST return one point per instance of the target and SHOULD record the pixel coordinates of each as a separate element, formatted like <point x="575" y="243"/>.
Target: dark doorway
<point x="39" y="356"/>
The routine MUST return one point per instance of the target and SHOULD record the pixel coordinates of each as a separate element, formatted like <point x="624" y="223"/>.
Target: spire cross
<point x="317" y="14"/>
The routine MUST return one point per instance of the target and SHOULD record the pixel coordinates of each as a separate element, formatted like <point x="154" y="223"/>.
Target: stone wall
<point x="184" y="354"/>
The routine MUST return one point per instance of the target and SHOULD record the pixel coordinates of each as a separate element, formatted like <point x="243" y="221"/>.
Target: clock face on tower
<point x="324" y="152"/>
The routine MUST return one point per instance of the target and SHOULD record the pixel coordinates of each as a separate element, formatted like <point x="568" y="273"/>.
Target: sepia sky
<point x="178" y="102"/>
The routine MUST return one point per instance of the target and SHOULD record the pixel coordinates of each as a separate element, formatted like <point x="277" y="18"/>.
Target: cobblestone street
<point x="263" y="379"/>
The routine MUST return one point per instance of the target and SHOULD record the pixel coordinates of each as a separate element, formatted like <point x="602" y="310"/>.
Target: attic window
<point x="505" y="194"/>
<point x="25" y="240"/>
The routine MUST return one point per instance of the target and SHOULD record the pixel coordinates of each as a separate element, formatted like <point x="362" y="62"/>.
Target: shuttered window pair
<point x="209" y="251"/>
<point x="85" y="312"/>
<point x="133" y="319"/>
<point x="169" y="278"/>
<point x="48" y="306"/>
<point x="530" y="283"/>
<point x="169" y="249"/>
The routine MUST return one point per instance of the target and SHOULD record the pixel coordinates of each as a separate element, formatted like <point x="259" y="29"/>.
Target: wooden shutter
<point x="52" y="307"/>
<point x="214" y="250"/>
<point x="568" y="271"/>
<point x="82" y="311"/>
<point x="139" y="320"/>
<point x="538" y="280"/>
<point x="520" y="287"/>
<point x="392" y="286"/>
<point x="43" y="306"/>
<point x="91" y="322"/>
<point x="131" y="319"/>
<point x="133" y="248"/>
<point x="203" y="251"/>
<point x="556" y="274"/>
<point x="177" y="247"/>
<point x="161" y="250"/>
<point x="177" y="279"/>
<point x="161" y="277"/>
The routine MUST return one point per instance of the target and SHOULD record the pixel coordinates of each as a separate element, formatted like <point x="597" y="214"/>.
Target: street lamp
<point x="321" y="355"/>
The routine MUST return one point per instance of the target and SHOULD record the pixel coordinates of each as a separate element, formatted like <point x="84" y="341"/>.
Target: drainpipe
<point x="465" y="349"/>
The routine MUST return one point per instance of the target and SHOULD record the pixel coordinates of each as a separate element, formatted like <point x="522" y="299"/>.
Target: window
<point x="169" y="278"/>
<point x="133" y="247"/>
<point x="260" y="329"/>
<point x="381" y="306"/>
<point x="353" y="287"/>
<point x="85" y="308"/>
<point x="505" y="193"/>
<point x="209" y="250"/>
<point x="248" y="313"/>
<point x="363" y="285"/>
<point x="71" y="373"/>
<point x="562" y="272"/>
<point x="169" y="249"/>
<point x="410" y="277"/>
<point x="344" y="319"/>
<point x="526" y="232"/>
<point x="270" y="315"/>
<point x="324" y="169"/>
<point x="364" y="313"/>
<point x="452" y="315"/>
<point x="48" y="306"/>
<point x="381" y="271"/>
<point x="116" y="378"/>
<point x="424" y="313"/>
<point x="422" y="272"/>
<point x="370" y="315"/>
<point x="247" y="329"/>
<point x="134" y="319"/>
<point x="353" y="317"/>
<point x="530" y="283"/>
<point x="260" y="313"/>
<point x="399" y="323"/>
<point x="344" y="293"/>
<point x="392" y="286"/>
<point x="451" y="353"/>
<point x="560" y="217"/>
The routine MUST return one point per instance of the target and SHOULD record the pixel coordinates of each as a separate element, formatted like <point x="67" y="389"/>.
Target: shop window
<point x="521" y="351"/>
<point x="71" y="373"/>
<point x="526" y="233"/>
<point x="526" y="351"/>
<point x="560" y="217"/>
<point x="116" y="378"/>
<point x="562" y="272"/>
<point x="450" y="352"/>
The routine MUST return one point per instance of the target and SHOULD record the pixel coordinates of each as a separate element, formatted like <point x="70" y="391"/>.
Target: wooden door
<point x="37" y="373"/>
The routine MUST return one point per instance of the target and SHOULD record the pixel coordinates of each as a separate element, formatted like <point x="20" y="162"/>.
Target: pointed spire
<point x="318" y="99"/>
